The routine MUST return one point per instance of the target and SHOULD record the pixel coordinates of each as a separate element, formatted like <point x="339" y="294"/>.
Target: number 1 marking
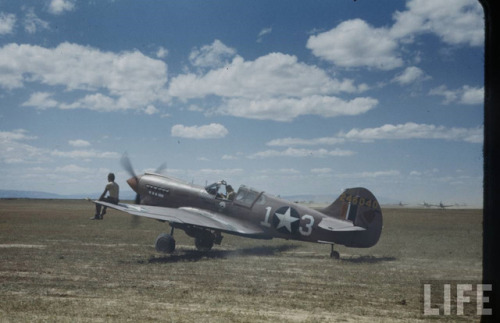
<point x="266" y="220"/>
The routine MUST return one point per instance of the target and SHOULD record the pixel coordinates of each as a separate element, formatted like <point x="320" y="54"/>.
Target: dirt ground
<point x="58" y="266"/>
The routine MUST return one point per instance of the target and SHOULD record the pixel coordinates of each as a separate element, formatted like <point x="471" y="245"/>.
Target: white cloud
<point x="263" y="32"/>
<point x="410" y="75"/>
<point x="215" y="55"/>
<point x="321" y="171"/>
<point x="15" y="151"/>
<point x="272" y="75"/>
<point x="79" y="143"/>
<point x="7" y="23"/>
<point x="354" y="43"/>
<point x="211" y="131"/>
<point x="408" y="130"/>
<point x="84" y="154"/>
<point x="151" y="109"/>
<point x="472" y="95"/>
<point x="58" y="7"/>
<point x="376" y="174"/>
<point x="161" y="52"/>
<point x="412" y="130"/>
<point x="287" y="142"/>
<point x="41" y="100"/>
<point x="74" y="169"/>
<point x="287" y="109"/>
<point x="32" y="23"/>
<point x="464" y="95"/>
<point x="455" y="22"/>
<point x="294" y="152"/>
<point x="127" y="80"/>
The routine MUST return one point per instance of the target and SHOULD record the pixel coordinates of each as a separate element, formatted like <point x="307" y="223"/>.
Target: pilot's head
<point x="111" y="177"/>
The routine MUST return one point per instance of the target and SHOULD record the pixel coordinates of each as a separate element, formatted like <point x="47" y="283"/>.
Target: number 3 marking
<point x="308" y="226"/>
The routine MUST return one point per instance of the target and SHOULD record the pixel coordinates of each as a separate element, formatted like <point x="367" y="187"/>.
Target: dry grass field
<point x="58" y="266"/>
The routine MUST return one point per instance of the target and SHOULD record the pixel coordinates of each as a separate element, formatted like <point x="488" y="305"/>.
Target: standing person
<point x="114" y="190"/>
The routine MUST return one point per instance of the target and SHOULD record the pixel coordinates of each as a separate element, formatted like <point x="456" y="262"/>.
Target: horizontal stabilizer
<point x="333" y="224"/>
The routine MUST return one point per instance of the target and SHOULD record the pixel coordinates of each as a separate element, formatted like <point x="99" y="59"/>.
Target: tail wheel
<point x="205" y="241"/>
<point x="165" y="243"/>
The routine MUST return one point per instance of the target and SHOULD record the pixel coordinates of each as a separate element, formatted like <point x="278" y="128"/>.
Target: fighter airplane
<point x="354" y="219"/>
<point x="442" y="206"/>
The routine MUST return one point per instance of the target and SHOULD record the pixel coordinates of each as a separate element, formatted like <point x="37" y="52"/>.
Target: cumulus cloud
<point x="127" y="80"/>
<point x="84" y="154"/>
<point x="32" y="23"/>
<point x="409" y="130"/>
<point x="7" y="23"/>
<point x="211" y="131"/>
<point x="79" y="143"/>
<point x="58" y="7"/>
<point x="275" y="86"/>
<point x="287" y="142"/>
<point x="455" y="22"/>
<point x="287" y="109"/>
<point x="215" y="55"/>
<point x="295" y="152"/>
<point x="354" y="43"/>
<point x="376" y="174"/>
<point x="272" y="75"/>
<point x="410" y="75"/>
<point x="464" y="95"/>
<point x="41" y="100"/>
<point x="15" y="150"/>
<point x="162" y="52"/>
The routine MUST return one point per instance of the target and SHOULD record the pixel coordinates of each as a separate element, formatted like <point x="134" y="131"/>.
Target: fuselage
<point x="278" y="218"/>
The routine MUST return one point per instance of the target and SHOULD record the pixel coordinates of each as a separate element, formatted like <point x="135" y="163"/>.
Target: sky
<point x="289" y="97"/>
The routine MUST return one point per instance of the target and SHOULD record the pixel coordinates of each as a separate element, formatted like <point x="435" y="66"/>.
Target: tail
<point x="359" y="206"/>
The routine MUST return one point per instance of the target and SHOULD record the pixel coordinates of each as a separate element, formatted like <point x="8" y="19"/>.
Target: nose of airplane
<point x="133" y="182"/>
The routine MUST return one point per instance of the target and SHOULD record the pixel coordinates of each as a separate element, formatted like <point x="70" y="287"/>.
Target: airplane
<point x="401" y="204"/>
<point x="354" y="219"/>
<point x="442" y="206"/>
<point x="425" y="204"/>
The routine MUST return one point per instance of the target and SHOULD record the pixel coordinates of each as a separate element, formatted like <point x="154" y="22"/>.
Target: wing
<point x="333" y="224"/>
<point x="189" y="216"/>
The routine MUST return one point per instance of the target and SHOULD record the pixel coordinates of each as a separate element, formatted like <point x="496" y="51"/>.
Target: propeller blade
<point x="161" y="168"/>
<point x="127" y="165"/>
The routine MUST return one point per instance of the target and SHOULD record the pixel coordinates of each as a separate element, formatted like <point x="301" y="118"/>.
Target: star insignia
<point x="286" y="220"/>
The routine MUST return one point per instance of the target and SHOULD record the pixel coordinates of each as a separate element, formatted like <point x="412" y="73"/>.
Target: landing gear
<point x="334" y="254"/>
<point x="165" y="243"/>
<point x="204" y="241"/>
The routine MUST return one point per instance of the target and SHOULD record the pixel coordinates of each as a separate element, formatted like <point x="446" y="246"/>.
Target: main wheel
<point x="165" y="243"/>
<point x="204" y="242"/>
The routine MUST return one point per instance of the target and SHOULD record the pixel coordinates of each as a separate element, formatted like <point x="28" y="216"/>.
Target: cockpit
<point x="221" y="190"/>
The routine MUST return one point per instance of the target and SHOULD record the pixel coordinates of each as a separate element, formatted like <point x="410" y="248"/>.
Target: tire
<point x="165" y="243"/>
<point x="204" y="242"/>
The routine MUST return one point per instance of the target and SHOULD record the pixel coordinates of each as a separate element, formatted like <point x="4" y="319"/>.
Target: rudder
<point x="359" y="206"/>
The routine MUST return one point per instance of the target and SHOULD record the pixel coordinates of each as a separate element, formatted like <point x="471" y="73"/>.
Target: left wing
<point x="189" y="216"/>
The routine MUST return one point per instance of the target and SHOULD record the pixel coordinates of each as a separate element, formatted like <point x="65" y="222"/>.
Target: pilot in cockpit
<point x="221" y="190"/>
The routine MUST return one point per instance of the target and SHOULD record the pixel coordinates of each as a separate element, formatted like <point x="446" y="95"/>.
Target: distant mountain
<point x="5" y="194"/>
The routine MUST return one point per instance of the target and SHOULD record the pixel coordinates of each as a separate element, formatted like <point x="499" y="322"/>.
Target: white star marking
<point x="286" y="220"/>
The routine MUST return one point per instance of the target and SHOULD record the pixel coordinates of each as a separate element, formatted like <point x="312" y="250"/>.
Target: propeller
<point x="133" y="182"/>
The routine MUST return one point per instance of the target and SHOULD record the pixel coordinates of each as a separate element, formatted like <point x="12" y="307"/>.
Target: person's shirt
<point x="113" y="189"/>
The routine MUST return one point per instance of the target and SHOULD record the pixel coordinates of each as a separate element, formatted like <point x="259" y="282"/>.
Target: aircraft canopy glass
<point x="246" y="196"/>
